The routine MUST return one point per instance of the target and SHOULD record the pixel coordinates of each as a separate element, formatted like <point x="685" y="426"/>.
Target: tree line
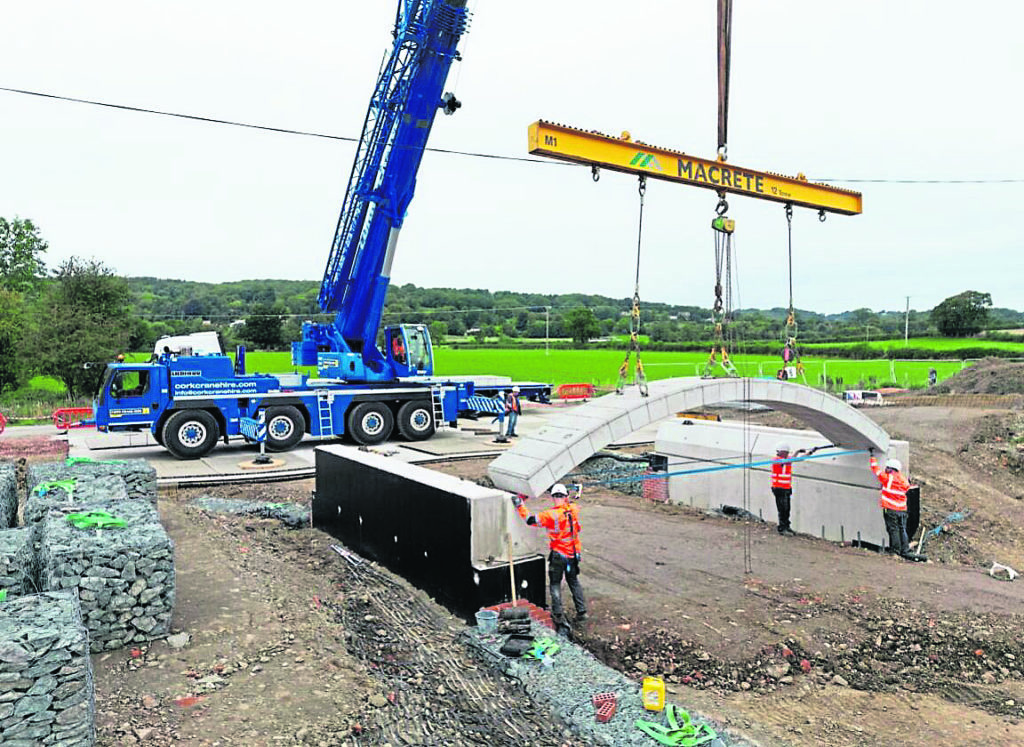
<point x="68" y="321"/>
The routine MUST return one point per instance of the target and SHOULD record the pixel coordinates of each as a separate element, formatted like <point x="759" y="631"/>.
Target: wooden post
<point x="511" y="568"/>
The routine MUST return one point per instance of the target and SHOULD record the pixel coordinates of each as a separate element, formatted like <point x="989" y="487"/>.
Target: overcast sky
<point x="839" y="91"/>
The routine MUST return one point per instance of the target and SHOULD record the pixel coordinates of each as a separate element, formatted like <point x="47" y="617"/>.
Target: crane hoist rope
<point x="634" y="315"/>
<point x="724" y="64"/>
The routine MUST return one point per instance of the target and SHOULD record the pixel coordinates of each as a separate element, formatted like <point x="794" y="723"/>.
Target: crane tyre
<point x="285" y="428"/>
<point x="416" y="420"/>
<point x="370" y="423"/>
<point x="190" y="434"/>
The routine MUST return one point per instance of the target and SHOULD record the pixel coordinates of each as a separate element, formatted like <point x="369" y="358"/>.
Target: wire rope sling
<point x="634" y="315"/>
<point x="792" y="366"/>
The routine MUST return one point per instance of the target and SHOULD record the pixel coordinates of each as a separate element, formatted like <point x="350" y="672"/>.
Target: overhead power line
<point x="471" y="154"/>
<point x="251" y="126"/>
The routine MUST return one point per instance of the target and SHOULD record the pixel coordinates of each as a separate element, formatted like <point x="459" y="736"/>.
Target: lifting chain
<point x="721" y="309"/>
<point x="634" y="315"/>
<point x="790" y="351"/>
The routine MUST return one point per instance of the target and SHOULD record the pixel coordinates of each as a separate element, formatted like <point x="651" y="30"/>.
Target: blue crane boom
<point x="381" y="185"/>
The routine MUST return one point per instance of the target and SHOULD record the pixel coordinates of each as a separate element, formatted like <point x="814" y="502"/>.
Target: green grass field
<point x="600" y="367"/>
<point x="930" y="343"/>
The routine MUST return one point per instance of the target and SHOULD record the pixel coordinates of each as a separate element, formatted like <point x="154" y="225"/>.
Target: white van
<point x="863" y="398"/>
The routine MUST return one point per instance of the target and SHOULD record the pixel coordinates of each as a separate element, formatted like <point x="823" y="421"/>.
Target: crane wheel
<point x="370" y="423"/>
<point x="285" y="428"/>
<point x="416" y="420"/>
<point x="190" y="434"/>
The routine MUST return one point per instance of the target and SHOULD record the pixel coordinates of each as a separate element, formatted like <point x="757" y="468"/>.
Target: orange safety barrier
<point x="575" y="391"/>
<point x="72" y="417"/>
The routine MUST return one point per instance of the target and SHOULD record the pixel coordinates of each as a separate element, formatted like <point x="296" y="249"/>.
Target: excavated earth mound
<point x="987" y="376"/>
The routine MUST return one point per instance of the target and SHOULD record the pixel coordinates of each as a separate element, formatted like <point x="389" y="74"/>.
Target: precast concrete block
<point x="567" y="440"/>
<point x="449" y="536"/>
<point x="657" y="408"/>
<point x="639" y="417"/>
<point x="835" y="495"/>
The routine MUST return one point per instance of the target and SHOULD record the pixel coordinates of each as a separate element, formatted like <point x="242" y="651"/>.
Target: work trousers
<point x="782" y="504"/>
<point x="558" y="566"/>
<point x="896" y="527"/>
<point x="513" y="418"/>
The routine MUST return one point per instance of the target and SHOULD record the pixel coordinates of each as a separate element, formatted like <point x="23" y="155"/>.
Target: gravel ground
<point x="567" y="685"/>
<point x="293" y="515"/>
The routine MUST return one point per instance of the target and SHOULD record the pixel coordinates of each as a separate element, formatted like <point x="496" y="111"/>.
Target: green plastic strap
<point x="543" y="647"/>
<point x="67" y="486"/>
<point x="72" y="461"/>
<point x="96" y="520"/>
<point x="686" y="735"/>
<point x="3" y="595"/>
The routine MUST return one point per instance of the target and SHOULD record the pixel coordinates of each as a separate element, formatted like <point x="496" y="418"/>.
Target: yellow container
<point x="653" y="693"/>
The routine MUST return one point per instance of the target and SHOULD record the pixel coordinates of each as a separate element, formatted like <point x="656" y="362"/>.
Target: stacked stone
<point x="8" y="496"/>
<point x="46" y="689"/>
<point x="139" y="477"/>
<point x="82" y="489"/>
<point x="18" y="572"/>
<point x="124" y="576"/>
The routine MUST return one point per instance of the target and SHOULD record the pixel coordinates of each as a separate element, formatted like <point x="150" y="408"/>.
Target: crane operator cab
<point x="407" y="347"/>
<point x="130" y="397"/>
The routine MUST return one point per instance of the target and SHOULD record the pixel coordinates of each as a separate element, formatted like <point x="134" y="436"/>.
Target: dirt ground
<point x="820" y="644"/>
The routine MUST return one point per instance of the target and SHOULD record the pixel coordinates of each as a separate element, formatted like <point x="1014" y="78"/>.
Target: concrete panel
<point x="592" y="426"/>
<point x="451" y="537"/>
<point x="834" y="497"/>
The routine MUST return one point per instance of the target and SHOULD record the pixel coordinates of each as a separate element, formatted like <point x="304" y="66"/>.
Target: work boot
<point x="788" y="532"/>
<point x="581" y="616"/>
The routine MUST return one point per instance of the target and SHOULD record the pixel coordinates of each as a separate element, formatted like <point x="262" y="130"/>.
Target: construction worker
<point x="893" y="500"/>
<point x="563" y="526"/>
<point x="782" y="483"/>
<point x="512" y="411"/>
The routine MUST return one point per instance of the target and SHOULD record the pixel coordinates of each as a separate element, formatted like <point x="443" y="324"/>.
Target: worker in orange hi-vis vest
<point x="563" y="526"/>
<point x="782" y="483"/>
<point x="893" y="501"/>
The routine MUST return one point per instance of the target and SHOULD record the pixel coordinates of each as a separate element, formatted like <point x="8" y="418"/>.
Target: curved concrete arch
<point x="541" y="459"/>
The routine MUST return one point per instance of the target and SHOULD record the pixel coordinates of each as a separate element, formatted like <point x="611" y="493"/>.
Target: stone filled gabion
<point x="18" y="571"/>
<point x="46" y="688"/>
<point x="86" y="488"/>
<point x="621" y="472"/>
<point x="124" y="576"/>
<point x="8" y="496"/>
<point x="139" y="477"/>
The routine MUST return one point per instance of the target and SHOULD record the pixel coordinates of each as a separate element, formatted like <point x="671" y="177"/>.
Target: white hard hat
<point x="782" y="446"/>
<point x="515" y="389"/>
<point x="501" y="392"/>
<point x="559" y="489"/>
<point x="895" y="464"/>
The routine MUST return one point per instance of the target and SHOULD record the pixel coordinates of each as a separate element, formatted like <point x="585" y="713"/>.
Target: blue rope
<point x="745" y="465"/>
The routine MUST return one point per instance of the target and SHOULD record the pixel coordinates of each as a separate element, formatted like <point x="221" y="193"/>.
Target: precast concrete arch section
<point x="543" y="458"/>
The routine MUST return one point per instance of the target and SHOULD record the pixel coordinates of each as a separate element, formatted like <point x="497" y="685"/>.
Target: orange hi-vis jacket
<point x="894" y="488"/>
<point x="562" y="524"/>
<point x="782" y="474"/>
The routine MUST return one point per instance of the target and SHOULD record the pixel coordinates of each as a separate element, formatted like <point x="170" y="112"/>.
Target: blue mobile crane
<point x="190" y="396"/>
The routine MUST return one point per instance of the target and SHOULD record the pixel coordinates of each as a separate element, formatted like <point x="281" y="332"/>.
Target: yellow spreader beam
<point x="632" y="157"/>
